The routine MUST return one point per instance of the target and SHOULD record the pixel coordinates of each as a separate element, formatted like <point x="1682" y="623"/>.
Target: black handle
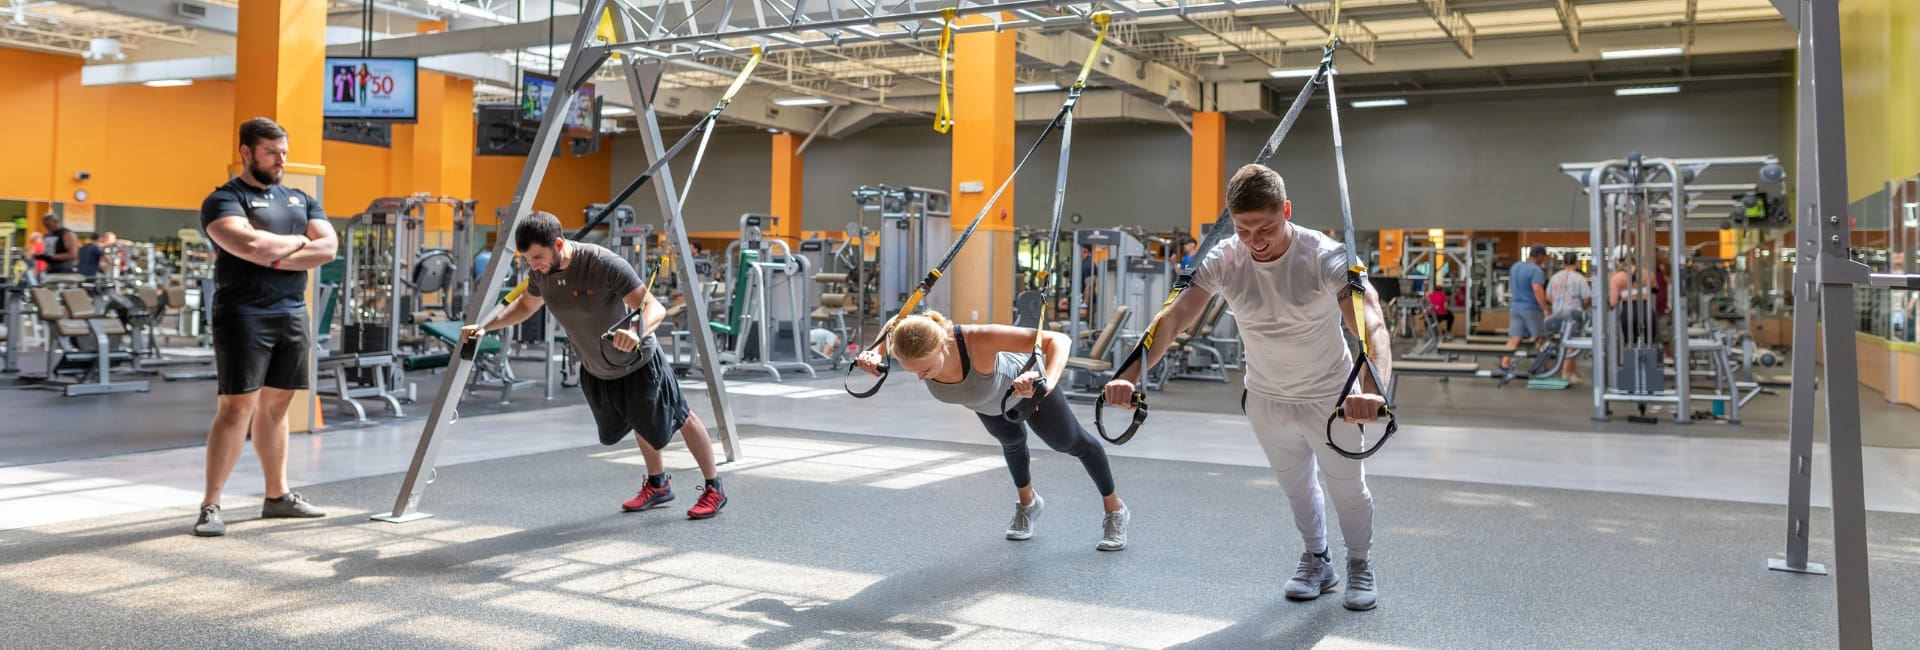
<point x="1139" y="417"/>
<point x="1340" y="411"/>
<point x="847" y="382"/>
<point x="1024" y="409"/>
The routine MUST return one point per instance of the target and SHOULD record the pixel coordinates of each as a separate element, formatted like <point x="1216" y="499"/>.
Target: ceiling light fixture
<point x="1641" y="53"/>
<point x="1042" y="87"/>
<point x="168" y="83"/>
<point x="1380" y="103"/>
<point x="802" y="101"/>
<point x="1296" y="73"/>
<point x="1645" y="90"/>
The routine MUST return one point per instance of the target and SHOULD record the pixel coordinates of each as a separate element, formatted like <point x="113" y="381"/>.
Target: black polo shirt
<point x="241" y="286"/>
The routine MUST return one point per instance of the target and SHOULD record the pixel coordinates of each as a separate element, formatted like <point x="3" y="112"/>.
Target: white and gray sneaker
<point x="210" y="524"/>
<point x="1312" y="578"/>
<point x="1114" y="530"/>
<point x="1360" y="593"/>
<point x="290" y="506"/>
<point x="1023" y="516"/>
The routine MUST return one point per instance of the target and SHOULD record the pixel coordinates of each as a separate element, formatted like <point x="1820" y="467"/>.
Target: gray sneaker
<point x="1023" y="516"/>
<point x="1360" y="594"/>
<point x="292" y="505"/>
<point x="210" y="523"/>
<point x="1114" y="535"/>
<point x="1312" y="578"/>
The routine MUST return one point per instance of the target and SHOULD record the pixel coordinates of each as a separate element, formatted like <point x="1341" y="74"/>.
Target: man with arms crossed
<point x="265" y="238"/>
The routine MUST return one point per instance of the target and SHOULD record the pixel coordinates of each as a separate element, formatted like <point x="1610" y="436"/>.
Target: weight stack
<point x="364" y="337"/>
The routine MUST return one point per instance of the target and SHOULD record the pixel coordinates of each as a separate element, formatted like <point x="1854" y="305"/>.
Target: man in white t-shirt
<point x="1288" y="289"/>
<point x="1569" y="294"/>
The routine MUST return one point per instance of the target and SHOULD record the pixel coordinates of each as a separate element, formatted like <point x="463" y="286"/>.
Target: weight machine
<point x="1629" y="200"/>
<point x="767" y="300"/>
<point x="915" y="225"/>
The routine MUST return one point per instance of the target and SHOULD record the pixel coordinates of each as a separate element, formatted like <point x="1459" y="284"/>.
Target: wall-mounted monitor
<point x="536" y="90"/>
<point x="372" y="89"/>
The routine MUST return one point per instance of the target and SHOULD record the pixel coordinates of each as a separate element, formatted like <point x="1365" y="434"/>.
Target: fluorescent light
<point x="1380" y="103"/>
<point x="1642" y="53"/>
<point x="615" y="111"/>
<point x="168" y="83"/>
<point x="1296" y="73"/>
<point x="802" y="101"/>
<point x="1043" y="87"/>
<point x="1646" y="90"/>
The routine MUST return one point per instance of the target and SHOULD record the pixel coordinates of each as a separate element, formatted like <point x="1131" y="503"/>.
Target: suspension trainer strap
<point x="1020" y="411"/>
<point x="666" y="262"/>
<point x="1357" y="292"/>
<point x="700" y="130"/>
<point x="943" y="120"/>
<point x="1222" y="227"/>
<point x="953" y="252"/>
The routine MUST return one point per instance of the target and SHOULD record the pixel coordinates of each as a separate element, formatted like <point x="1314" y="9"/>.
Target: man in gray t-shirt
<point x="588" y="289"/>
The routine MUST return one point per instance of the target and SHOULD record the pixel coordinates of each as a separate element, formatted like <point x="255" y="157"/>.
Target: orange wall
<point x="27" y="97"/>
<point x="151" y="147"/>
<point x="571" y="183"/>
<point x="356" y="175"/>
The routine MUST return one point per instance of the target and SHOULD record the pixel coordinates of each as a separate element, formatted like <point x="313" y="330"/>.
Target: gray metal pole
<point x="643" y="77"/>
<point x="1821" y="79"/>
<point x="1676" y="258"/>
<point x="1806" y="315"/>
<point x="453" y="384"/>
<point x="1598" y="231"/>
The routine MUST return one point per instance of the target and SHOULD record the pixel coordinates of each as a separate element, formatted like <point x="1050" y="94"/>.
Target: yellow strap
<point x="1333" y="27"/>
<point x="1360" y="315"/>
<point x="1103" y="19"/>
<point x="515" y="293"/>
<point x="943" y="120"/>
<point x="665" y="263"/>
<point x="742" y="79"/>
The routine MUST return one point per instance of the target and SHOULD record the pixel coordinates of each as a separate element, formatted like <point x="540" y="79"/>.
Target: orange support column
<point x="981" y="279"/>
<point x="1209" y="183"/>
<point x="789" y="174"/>
<point x="279" y="73"/>
<point x="441" y="148"/>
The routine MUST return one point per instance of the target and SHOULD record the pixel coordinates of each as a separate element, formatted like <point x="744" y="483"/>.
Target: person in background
<point x="1570" y="295"/>
<point x="36" y="247"/>
<point x="62" y="245"/>
<point x="1529" y="301"/>
<point x="1442" y="314"/>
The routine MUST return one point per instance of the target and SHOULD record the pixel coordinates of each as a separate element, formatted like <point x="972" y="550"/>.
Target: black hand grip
<point x="1026" y="407"/>
<point x="1393" y="426"/>
<point x="847" y="382"/>
<point x="1139" y="417"/>
<point x="1340" y="412"/>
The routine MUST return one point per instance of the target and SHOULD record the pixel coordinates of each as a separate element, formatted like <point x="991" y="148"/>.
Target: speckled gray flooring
<point x="853" y="541"/>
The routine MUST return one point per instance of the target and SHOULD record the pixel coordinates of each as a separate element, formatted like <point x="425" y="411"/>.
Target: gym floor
<point x="1492" y="532"/>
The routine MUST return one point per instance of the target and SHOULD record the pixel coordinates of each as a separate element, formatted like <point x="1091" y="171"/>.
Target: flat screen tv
<point x="372" y="89"/>
<point x="536" y="90"/>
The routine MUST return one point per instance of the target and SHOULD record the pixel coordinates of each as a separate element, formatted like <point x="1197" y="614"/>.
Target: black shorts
<point x="647" y="402"/>
<point x="255" y="350"/>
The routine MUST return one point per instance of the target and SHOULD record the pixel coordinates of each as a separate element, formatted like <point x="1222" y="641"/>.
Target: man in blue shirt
<point x="1528" y="282"/>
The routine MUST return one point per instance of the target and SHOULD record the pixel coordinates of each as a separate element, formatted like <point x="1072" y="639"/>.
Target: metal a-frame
<point x="1824" y="279"/>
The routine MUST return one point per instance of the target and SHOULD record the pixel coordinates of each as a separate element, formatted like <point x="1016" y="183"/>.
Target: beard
<point x="263" y="176"/>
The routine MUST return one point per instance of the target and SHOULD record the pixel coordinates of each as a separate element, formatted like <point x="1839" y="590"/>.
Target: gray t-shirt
<point x="1567" y="289"/>
<point x="587" y="297"/>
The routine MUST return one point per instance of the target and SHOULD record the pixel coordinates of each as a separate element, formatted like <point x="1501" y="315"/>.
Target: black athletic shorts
<point x="254" y="350"/>
<point x="647" y="402"/>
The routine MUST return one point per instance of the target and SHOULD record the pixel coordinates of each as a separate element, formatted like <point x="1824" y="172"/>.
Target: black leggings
<point x="1054" y="423"/>
<point x="1445" y="321"/>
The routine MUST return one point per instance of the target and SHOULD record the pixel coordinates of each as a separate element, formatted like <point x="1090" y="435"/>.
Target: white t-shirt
<point x="1288" y="313"/>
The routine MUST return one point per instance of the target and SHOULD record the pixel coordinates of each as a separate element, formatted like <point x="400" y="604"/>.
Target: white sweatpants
<point x="1294" y="435"/>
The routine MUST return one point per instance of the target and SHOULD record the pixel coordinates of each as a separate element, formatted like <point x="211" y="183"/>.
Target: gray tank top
<point x="977" y="391"/>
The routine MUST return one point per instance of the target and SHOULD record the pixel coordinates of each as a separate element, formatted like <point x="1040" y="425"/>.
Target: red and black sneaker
<point x="710" y="503"/>
<point x="649" y="497"/>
